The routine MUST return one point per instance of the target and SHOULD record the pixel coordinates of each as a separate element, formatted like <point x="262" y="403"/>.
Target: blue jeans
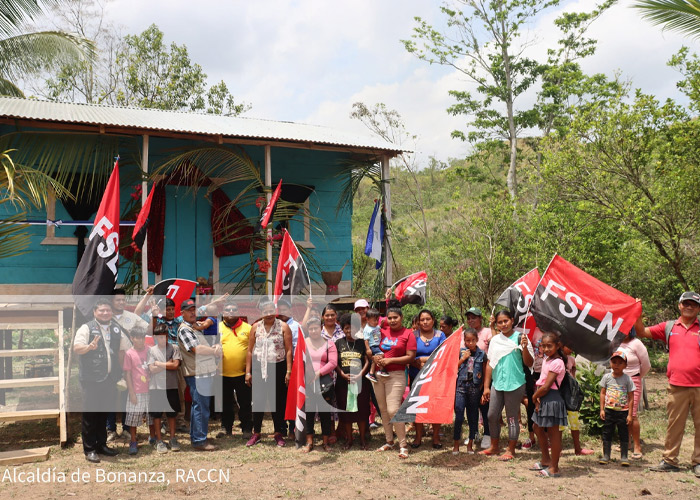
<point x="200" y="391"/>
<point x="467" y="397"/>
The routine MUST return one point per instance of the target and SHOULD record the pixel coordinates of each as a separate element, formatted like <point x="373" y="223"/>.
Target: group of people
<point x="363" y="364"/>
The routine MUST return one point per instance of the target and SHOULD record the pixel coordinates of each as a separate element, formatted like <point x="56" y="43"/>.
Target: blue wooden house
<point x="313" y="162"/>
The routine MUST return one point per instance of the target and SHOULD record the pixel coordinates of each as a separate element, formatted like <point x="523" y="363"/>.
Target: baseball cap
<point x="690" y="296"/>
<point x="619" y="354"/>
<point x="475" y="311"/>
<point x="187" y="304"/>
<point x="361" y="303"/>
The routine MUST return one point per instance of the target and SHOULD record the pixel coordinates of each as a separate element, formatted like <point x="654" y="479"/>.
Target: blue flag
<point x="375" y="236"/>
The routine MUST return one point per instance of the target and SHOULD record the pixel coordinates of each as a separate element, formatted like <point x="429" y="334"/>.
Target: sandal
<point x="326" y="448"/>
<point x="488" y="453"/>
<point x="506" y="457"/>
<point x="386" y="447"/>
<point x="332" y="439"/>
<point x="415" y="445"/>
<point x="637" y="455"/>
<point x="437" y="446"/>
<point x="307" y="448"/>
<point x="537" y="466"/>
<point x="546" y="473"/>
<point x="403" y="453"/>
<point x="586" y="451"/>
<point x="348" y="445"/>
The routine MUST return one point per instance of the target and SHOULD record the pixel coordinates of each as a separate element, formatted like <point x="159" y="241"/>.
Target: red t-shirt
<point x="683" y="352"/>
<point x="394" y="344"/>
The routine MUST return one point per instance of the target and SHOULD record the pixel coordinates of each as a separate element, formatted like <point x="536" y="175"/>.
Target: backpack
<point x="570" y="391"/>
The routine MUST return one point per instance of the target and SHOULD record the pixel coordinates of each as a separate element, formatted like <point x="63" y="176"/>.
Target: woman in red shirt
<point x="399" y="347"/>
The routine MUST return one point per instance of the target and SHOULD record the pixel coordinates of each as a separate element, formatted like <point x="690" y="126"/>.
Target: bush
<point x="590" y="408"/>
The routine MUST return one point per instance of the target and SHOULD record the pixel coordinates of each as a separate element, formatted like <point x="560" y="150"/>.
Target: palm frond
<point x="9" y="89"/>
<point x="16" y="13"/>
<point x="359" y="169"/>
<point x="84" y="158"/>
<point x="682" y="16"/>
<point x="29" y="53"/>
<point x="13" y="238"/>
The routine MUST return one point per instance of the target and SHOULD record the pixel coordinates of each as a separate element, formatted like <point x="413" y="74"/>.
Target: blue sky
<point x="309" y="60"/>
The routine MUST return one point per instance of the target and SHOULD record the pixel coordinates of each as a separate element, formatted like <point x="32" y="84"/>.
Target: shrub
<point x="590" y="408"/>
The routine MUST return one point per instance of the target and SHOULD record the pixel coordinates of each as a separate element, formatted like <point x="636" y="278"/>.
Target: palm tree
<point x="21" y="54"/>
<point x="28" y="53"/>
<point x="676" y="15"/>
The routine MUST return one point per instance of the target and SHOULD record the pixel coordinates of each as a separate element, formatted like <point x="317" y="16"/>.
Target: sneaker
<point x="696" y="470"/>
<point x="665" y="467"/>
<point x="254" y="439"/>
<point x="161" y="448"/>
<point x="527" y="445"/>
<point x="279" y="440"/>
<point x="174" y="445"/>
<point x="486" y="442"/>
<point x="111" y="436"/>
<point x="133" y="448"/>
<point x="371" y="377"/>
<point x="374" y="425"/>
<point x="152" y="441"/>
<point x="383" y="373"/>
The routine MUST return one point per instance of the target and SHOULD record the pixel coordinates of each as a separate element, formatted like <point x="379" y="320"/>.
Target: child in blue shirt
<point x="373" y="335"/>
<point x="470" y="387"/>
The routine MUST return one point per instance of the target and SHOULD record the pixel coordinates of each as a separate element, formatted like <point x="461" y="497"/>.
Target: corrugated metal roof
<point x="186" y="123"/>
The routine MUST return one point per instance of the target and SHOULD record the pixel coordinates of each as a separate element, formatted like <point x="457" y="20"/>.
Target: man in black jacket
<point x="100" y="346"/>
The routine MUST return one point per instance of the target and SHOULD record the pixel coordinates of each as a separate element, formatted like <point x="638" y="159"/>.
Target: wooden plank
<point x="27" y="326"/>
<point x="24" y="456"/>
<point x="28" y="352"/>
<point x="19" y="416"/>
<point x="63" y="431"/>
<point x="28" y="382"/>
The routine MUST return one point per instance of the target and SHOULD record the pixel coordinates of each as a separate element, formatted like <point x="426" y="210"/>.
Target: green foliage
<point x="590" y="408"/>
<point x="682" y="16"/>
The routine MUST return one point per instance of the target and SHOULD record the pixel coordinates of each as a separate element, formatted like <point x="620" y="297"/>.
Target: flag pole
<point x="144" y="197"/>
<point x="268" y="195"/>
<point x="527" y="313"/>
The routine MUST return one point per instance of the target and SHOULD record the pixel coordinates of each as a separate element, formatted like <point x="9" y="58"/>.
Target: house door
<point x="187" y="248"/>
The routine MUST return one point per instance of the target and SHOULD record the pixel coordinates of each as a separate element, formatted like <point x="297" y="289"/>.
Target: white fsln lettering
<point x="416" y="401"/>
<point x="581" y="320"/>
<point x="574" y="310"/>
<point x="548" y="289"/>
<point x="607" y="324"/>
<point x="172" y="291"/>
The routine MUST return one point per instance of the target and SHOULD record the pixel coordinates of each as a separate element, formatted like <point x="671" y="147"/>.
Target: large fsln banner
<point x="432" y="397"/>
<point x="591" y="317"/>
<point x="517" y="298"/>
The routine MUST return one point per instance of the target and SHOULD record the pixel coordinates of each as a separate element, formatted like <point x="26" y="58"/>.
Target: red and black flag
<point x="97" y="271"/>
<point x="139" y="234"/>
<point x="176" y="289"/>
<point x="432" y="395"/>
<point x="591" y="317"/>
<point x="296" y="395"/>
<point x="292" y="276"/>
<point x="270" y="208"/>
<point x="517" y="297"/>
<point x="411" y="289"/>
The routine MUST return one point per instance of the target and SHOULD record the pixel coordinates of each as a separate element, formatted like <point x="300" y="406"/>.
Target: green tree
<point x="23" y="54"/>
<point x="483" y="42"/>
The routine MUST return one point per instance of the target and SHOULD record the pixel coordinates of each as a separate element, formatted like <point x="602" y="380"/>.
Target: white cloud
<point x="309" y="60"/>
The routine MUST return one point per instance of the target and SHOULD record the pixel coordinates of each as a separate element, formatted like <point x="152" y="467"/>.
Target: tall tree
<point x="483" y="41"/>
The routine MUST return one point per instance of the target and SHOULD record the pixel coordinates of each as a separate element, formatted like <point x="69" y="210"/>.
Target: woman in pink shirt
<point x="324" y="358"/>
<point x="638" y="365"/>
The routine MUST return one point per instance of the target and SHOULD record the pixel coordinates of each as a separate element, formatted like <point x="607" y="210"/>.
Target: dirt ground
<point x="266" y="472"/>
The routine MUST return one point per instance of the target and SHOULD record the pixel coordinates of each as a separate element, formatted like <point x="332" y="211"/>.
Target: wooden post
<point x="144" y="196"/>
<point x="63" y="432"/>
<point x="268" y="243"/>
<point x="386" y="191"/>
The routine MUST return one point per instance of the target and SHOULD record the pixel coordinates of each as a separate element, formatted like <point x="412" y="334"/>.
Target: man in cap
<point x="682" y="337"/>
<point x="199" y="361"/>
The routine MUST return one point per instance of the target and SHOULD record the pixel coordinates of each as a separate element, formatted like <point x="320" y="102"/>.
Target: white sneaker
<point x="486" y="442"/>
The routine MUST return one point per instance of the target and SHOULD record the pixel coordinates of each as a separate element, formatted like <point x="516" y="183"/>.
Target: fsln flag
<point x="375" y="235"/>
<point x="517" y="298"/>
<point x="432" y="395"/>
<point x="176" y="289"/>
<point x="270" y="208"/>
<point x="591" y="316"/>
<point x="411" y="289"/>
<point x="141" y="227"/>
<point x="292" y="276"/>
<point x="296" y="395"/>
<point x="97" y="271"/>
